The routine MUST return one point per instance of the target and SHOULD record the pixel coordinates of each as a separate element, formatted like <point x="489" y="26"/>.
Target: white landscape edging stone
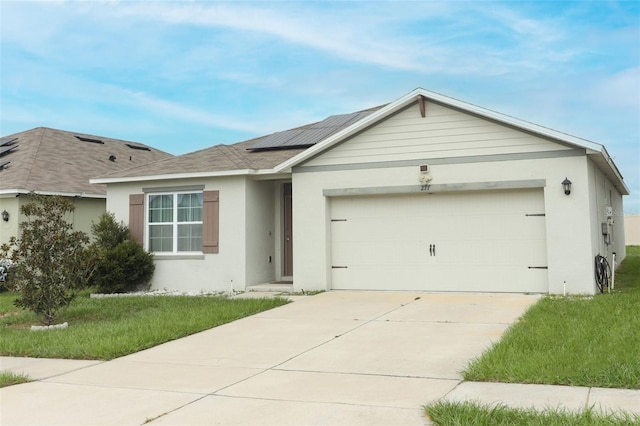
<point x="163" y="292"/>
<point x="49" y="327"/>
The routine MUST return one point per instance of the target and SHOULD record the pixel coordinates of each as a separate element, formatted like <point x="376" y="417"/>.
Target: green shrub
<point x="108" y="233"/>
<point x="122" y="265"/>
<point x="127" y="267"/>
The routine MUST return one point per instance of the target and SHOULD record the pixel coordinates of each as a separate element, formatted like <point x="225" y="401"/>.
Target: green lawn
<point x="578" y="341"/>
<point x="112" y="327"/>
<point x="8" y="378"/>
<point x="467" y="413"/>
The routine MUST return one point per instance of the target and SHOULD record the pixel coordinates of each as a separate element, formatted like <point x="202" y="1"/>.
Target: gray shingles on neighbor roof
<point x="57" y="161"/>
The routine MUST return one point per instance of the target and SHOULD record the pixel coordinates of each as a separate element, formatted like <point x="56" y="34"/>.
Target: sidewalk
<point x="337" y="358"/>
<point x="571" y="398"/>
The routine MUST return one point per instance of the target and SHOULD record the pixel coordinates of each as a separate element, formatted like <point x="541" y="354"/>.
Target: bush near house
<point x="122" y="264"/>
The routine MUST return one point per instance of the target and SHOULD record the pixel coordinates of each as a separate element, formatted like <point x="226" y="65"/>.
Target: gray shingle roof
<point x="50" y="160"/>
<point x="260" y="153"/>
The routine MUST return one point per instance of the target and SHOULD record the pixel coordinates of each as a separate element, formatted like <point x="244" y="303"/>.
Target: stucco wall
<point x="87" y="211"/>
<point x="569" y="231"/>
<point x="603" y="194"/>
<point x="261" y="234"/>
<point x="9" y="229"/>
<point x="224" y="271"/>
<point x="632" y="230"/>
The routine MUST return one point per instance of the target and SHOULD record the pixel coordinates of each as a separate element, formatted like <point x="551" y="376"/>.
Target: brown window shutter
<point x="210" y="221"/>
<point x="136" y="217"/>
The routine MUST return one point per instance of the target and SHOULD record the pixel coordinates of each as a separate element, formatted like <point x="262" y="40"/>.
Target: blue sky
<point x="185" y="75"/>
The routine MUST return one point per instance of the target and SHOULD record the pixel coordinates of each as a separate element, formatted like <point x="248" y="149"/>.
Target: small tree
<point x="50" y="259"/>
<point x="123" y="265"/>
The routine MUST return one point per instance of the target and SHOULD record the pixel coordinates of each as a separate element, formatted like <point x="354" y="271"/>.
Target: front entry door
<point x="287" y="209"/>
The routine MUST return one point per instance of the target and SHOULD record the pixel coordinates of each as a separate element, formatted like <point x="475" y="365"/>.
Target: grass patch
<point x="112" y="327"/>
<point x="8" y="378"/>
<point x="470" y="413"/>
<point x="578" y="341"/>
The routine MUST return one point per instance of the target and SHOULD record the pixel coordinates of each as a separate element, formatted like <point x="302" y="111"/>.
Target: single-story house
<point x="424" y="193"/>
<point x="57" y="162"/>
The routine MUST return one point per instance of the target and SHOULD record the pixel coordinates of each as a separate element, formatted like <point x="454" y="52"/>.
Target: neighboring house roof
<point x="51" y="161"/>
<point x="269" y="154"/>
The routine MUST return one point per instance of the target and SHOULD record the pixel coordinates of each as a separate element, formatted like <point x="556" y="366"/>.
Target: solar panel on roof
<point x="6" y="149"/>
<point x="277" y="140"/>
<point x="313" y="136"/>
<point x="7" y="140"/>
<point x="310" y="135"/>
<point x="140" y="147"/>
<point x="83" y="139"/>
<point x="335" y="121"/>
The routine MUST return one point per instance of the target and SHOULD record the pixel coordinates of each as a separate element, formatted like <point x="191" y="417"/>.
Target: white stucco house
<point x="424" y="193"/>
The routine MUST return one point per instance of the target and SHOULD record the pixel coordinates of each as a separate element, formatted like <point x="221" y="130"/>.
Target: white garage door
<point x="472" y="241"/>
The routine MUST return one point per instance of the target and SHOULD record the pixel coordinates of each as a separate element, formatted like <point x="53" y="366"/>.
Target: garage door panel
<point x="451" y="278"/>
<point x="483" y="241"/>
<point x="369" y="253"/>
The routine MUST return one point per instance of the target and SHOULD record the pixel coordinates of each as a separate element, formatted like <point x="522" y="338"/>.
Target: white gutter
<point x="221" y="173"/>
<point x="62" y="194"/>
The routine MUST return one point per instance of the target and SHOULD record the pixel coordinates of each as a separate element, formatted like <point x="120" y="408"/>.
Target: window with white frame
<point x="175" y="222"/>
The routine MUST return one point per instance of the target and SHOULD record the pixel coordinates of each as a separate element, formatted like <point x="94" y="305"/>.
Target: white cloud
<point x="619" y="90"/>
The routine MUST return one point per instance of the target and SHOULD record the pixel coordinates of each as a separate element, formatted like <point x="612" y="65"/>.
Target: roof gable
<point x="421" y="96"/>
<point x="442" y="132"/>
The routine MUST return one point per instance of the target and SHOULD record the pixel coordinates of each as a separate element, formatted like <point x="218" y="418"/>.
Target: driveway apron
<point x="336" y="358"/>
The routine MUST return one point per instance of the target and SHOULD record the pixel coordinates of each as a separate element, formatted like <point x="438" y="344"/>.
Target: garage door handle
<point x="432" y="249"/>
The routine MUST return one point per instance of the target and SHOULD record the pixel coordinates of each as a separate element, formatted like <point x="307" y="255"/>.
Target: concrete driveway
<point x="336" y="358"/>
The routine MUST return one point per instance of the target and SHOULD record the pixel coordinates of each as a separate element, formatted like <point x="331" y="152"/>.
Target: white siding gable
<point x="443" y="133"/>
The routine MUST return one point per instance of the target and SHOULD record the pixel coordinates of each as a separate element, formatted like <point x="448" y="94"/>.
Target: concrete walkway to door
<point x="336" y="358"/>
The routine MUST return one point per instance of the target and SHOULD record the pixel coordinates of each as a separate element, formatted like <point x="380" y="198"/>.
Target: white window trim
<point x="174" y="253"/>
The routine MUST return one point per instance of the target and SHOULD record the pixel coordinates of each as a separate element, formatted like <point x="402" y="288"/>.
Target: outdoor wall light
<point x="5" y="215"/>
<point x="566" y="185"/>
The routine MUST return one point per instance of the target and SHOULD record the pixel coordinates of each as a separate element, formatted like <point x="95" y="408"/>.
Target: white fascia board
<point x="513" y="121"/>
<point x="16" y="192"/>
<point x="447" y="101"/>
<point x="173" y="176"/>
<point x="613" y="171"/>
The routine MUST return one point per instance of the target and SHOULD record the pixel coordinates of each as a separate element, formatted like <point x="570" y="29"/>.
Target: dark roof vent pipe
<point x="112" y="158"/>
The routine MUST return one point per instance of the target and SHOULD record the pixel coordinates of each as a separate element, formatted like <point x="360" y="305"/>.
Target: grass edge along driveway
<point x="108" y="328"/>
<point x="575" y="341"/>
